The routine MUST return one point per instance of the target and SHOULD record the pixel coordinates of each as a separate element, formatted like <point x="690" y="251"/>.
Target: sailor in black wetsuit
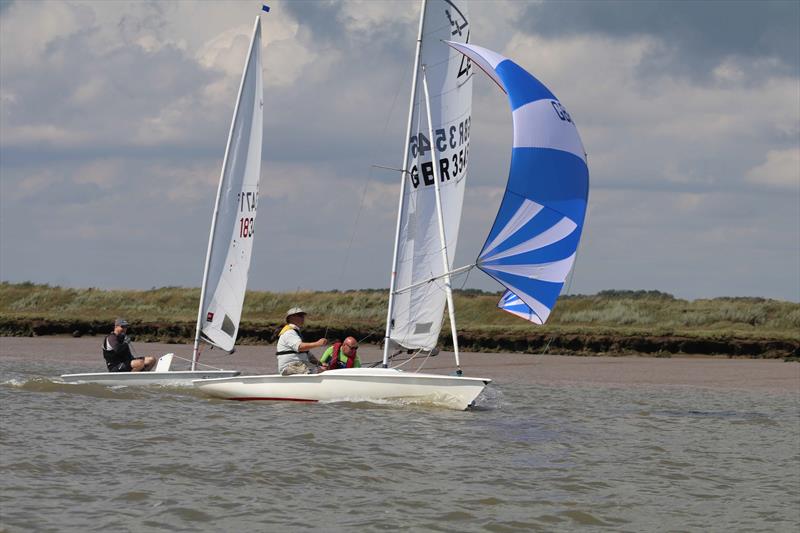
<point x="117" y="351"/>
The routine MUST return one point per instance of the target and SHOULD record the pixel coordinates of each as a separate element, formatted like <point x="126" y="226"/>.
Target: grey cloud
<point x="346" y="111"/>
<point x="131" y="84"/>
<point x="696" y="35"/>
<point x="322" y="17"/>
<point x="328" y="23"/>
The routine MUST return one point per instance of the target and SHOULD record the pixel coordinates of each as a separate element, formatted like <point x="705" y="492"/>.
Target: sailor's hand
<point x="126" y="339"/>
<point x="322" y="342"/>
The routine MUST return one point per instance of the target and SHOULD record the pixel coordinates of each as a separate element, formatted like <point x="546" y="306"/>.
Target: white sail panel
<point x="231" y="241"/>
<point x="417" y="314"/>
<point x="553" y="234"/>
<point x="553" y="132"/>
<point x="524" y="214"/>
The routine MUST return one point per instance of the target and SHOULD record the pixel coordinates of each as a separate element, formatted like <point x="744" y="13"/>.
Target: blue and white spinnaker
<point x="532" y="245"/>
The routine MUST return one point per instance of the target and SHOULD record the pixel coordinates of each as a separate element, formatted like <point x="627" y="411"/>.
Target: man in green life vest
<point x="341" y="355"/>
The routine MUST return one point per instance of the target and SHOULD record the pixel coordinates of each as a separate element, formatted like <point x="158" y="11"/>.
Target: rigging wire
<point x="364" y="189"/>
<point x="197" y="362"/>
<point x="566" y="293"/>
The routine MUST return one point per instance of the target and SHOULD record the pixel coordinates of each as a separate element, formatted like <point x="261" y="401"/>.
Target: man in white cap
<point x="293" y="354"/>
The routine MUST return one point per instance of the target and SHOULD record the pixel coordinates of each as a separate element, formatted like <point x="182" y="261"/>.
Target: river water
<point x="649" y="450"/>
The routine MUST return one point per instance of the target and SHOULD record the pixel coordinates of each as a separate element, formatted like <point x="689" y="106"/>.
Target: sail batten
<point x="533" y="242"/>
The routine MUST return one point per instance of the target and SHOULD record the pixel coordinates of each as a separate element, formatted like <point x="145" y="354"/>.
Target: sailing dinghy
<point x="530" y="248"/>
<point x="230" y="242"/>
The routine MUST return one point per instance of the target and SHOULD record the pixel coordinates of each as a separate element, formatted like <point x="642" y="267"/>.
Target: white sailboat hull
<point x="172" y="378"/>
<point x="351" y="384"/>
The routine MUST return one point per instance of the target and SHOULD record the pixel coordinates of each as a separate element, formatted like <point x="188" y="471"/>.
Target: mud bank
<point x="475" y="341"/>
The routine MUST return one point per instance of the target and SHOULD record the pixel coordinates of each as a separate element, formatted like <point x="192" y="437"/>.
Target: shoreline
<point x="695" y="371"/>
<point x="563" y="342"/>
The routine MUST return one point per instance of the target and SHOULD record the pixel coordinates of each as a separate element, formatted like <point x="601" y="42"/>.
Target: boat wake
<point x="47" y="385"/>
<point x="488" y="400"/>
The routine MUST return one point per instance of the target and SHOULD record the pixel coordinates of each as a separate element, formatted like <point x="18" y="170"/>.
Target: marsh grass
<point x="608" y="312"/>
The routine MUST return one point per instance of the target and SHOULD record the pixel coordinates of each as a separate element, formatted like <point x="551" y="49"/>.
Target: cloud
<point x="696" y="36"/>
<point x="116" y="115"/>
<point x="781" y="170"/>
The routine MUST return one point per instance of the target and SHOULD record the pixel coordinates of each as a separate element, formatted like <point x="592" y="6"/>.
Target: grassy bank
<point x="646" y="322"/>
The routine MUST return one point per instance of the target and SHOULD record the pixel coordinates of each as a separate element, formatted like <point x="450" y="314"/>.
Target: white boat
<point x="350" y="384"/>
<point x="230" y="242"/>
<point x="161" y="375"/>
<point x="530" y="248"/>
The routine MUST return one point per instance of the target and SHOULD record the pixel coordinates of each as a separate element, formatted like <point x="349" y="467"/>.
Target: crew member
<point x="341" y="355"/>
<point x="117" y="351"/>
<point x="293" y="354"/>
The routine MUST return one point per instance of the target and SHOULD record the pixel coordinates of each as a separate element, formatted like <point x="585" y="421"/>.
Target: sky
<point x="114" y="118"/>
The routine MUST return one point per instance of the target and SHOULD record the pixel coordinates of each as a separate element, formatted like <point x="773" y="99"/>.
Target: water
<point x="531" y="457"/>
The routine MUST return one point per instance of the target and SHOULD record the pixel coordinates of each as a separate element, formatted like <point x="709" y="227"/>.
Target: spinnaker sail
<point x="232" y="229"/>
<point x="415" y="315"/>
<point x="532" y="245"/>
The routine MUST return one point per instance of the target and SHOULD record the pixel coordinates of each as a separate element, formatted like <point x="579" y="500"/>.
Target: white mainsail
<point x="231" y="241"/>
<point x="415" y="315"/>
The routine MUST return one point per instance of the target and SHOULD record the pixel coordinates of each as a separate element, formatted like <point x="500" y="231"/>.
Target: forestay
<point x="532" y="245"/>
<point x="416" y="314"/>
<point x="231" y="241"/>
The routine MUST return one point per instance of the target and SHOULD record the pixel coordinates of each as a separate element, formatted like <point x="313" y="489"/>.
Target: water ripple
<point x="527" y="458"/>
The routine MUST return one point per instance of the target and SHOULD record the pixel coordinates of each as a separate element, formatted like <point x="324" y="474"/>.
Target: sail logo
<point x="457" y="23"/>
<point x="465" y="67"/>
<point x="561" y="112"/>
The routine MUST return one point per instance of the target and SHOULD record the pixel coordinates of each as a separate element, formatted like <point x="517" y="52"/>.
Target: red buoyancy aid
<point x="335" y="362"/>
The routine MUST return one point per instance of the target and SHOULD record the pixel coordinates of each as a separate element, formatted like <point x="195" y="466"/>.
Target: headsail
<point x="416" y="314"/>
<point x="532" y="245"/>
<point x="231" y="241"/>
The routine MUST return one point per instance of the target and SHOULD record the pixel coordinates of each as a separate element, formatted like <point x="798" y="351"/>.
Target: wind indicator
<point x="265" y="8"/>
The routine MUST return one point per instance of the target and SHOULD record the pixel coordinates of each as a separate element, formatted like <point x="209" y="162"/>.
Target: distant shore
<point x="587" y="344"/>
<point x="649" y="323"/>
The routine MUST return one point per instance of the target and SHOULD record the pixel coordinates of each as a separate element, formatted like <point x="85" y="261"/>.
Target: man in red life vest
<point x="341" y="355"/>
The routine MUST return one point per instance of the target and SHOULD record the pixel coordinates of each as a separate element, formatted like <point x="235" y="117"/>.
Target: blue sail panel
<point x="553" y="178"/>
<point x="533" y="242"/>
<point x="520" y="85"/>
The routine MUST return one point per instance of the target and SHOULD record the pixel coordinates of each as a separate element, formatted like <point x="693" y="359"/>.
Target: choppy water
<point x="529" y="458"/>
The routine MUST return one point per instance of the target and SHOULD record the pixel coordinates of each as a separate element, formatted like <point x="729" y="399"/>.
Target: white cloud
<point x="781" y="170"/>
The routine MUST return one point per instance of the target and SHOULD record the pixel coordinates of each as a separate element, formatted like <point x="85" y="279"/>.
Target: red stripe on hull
<point x="253" y="399"/>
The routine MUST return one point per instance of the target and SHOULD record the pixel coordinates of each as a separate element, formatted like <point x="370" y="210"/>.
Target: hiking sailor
<point x="117" y="351"/>
<point x="293" y="354"/>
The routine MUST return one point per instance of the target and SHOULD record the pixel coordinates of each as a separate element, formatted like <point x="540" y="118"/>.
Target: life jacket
<point x="114" y="357"/>
<point x="286" y="328"/>
<point x="335" y="362"/>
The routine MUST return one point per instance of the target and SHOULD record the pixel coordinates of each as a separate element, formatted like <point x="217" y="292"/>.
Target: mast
<point x="445" y="262"/>
<point x="196" y="348"/>
<point x="403" y="178"/>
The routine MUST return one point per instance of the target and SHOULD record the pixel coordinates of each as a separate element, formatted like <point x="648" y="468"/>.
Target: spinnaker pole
<point x="403" y="178"/>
